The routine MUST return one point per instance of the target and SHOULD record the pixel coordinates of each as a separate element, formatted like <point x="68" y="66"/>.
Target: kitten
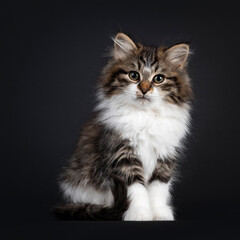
<point x="126" y="155"/>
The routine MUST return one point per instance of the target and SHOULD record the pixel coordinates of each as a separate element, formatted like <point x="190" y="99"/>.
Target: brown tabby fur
<point x="102" y="157"/>
<point x="176" y="85"/>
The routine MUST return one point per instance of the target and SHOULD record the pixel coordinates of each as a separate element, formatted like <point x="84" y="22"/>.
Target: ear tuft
<point x="178" y="54"/>
<point x="123" y="45"/>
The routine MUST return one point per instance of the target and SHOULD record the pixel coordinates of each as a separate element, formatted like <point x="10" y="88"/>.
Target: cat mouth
<point x="143" y="99"/>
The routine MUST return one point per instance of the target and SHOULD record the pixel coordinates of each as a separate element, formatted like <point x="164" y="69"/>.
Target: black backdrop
<point x="52" y="55"/>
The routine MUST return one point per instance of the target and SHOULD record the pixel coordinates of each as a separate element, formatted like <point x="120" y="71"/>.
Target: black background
<point x="52" y="55"/>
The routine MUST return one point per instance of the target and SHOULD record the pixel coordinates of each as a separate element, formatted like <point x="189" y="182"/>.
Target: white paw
<point x="163" y="213"/>
<point x="138" y="214"/>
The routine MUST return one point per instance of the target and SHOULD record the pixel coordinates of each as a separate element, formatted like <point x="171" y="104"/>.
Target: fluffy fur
<point x="130" y="144"/>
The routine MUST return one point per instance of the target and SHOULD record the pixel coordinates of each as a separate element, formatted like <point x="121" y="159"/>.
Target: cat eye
<point x="158" y="79"/>
<point x="134" y="76"/>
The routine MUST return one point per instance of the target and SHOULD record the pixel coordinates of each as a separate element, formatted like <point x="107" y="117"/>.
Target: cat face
<point x="143" y="75"/>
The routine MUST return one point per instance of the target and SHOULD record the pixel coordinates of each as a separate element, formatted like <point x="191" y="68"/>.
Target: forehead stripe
<point x="152" y="63"/>
<point x="139" y="65"/>
<point x="156" y="67"/>
<point x="142" y="60"/>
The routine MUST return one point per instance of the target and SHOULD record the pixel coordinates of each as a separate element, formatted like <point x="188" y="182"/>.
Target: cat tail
<point x="79" y="211"/>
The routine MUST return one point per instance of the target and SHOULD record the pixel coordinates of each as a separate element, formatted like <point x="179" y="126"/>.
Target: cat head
<point x="144" y="75"/>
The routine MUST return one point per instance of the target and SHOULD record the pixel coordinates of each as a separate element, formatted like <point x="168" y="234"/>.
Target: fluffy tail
<point x="78" y="211"/>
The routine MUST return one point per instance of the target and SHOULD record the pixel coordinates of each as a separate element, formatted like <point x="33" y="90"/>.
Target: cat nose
<point x="144" y="86"/>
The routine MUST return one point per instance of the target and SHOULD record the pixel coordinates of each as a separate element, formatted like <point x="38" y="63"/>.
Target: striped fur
<point x="134" y="134"/>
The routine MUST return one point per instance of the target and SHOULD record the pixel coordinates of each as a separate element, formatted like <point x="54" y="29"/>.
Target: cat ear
<point x="178" y="54"/>
<point x="122" y="46"/>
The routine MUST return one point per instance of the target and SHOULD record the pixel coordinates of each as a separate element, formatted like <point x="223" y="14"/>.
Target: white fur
<point x="159" y="199"/>
<point x="139" y="209"/>
<point x="154" y="128"/>
<point x="147" y="69"/>
<point x="87" y="194"/>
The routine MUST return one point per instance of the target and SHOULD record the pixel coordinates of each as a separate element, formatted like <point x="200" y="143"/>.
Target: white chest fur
<point x="154" y="131"/>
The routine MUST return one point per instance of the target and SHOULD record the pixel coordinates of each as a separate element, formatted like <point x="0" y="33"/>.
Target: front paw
<point x="138" y="214"/>
<point x="163" y="213"/>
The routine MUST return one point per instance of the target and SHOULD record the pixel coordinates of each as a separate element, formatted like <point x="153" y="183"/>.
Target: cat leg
<point x="158" y="189"/>
<point x="159" y="199"/>
<point x="139" y="209"/>
<point x="130" y="170"/>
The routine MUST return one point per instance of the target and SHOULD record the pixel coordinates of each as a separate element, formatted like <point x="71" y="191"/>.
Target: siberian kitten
<point x="126" y="155"/>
